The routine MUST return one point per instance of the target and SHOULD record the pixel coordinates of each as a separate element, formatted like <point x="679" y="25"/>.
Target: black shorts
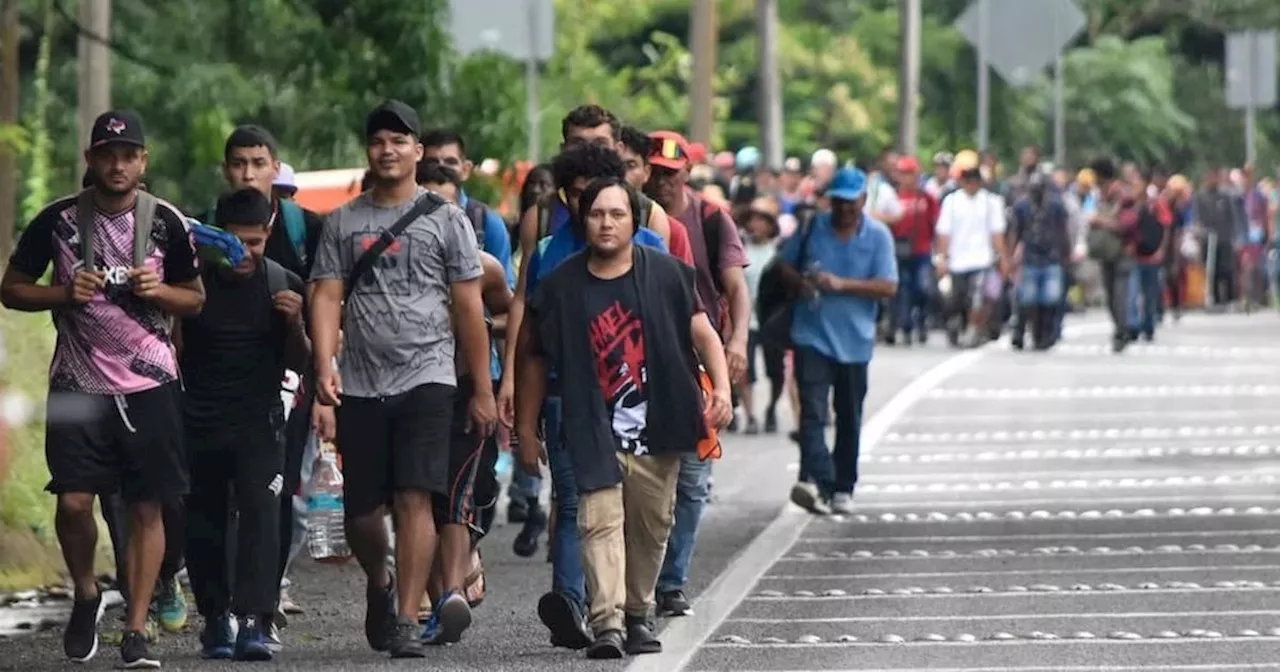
<point x="468" y="453"/>
<point x="131" y="444"/>
<point x="394" y="443"/>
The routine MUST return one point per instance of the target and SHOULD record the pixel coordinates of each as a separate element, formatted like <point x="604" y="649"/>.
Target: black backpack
<point x="1150" y="232"/>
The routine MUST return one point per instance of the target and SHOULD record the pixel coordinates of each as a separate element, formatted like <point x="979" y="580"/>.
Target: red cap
<point x="698" y="152"/>
<point x="908" y="164"/>
<point x="669" y="149"/>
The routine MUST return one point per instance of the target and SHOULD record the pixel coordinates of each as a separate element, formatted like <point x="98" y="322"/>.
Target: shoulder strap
<point x="295" y="225"/>
<point x="646" y="210"/>
<point x="144" y="213"/>
<point x="711" y="238"/>
<point x="477" y="213"/>
<point x="805" y="227"/>
<point x="277" y="276"/>
<point x="425" y="205"/>
<point x="85" y="210"/>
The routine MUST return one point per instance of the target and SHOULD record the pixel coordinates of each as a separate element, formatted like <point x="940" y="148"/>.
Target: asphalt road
<point x="1059" y="511"/>
<point x="1069" y="511"/>
<point x="751" y="485"/>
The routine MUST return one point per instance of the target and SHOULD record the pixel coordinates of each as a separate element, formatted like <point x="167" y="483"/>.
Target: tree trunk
<point x="9" y="122"/>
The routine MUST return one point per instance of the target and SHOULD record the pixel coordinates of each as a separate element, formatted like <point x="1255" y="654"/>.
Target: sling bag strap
<point x="425" y="205"/>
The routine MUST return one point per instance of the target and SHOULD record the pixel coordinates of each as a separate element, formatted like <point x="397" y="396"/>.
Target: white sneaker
<point x="842" y="502"/>
<point x="807" y="497"/>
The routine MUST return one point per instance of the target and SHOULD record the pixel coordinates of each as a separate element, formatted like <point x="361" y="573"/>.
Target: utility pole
<point x="909" y="20"/>
<point x="703" y="36"/>
<point x="984" y="75"/>
<point x="533" y="101"/>
<point x="94" y="92"/>
<point x="770" y="94"/>
<point x="8" y="120"/>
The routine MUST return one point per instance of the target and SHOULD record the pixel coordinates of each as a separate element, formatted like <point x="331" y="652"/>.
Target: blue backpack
<point x="295" y="225"/>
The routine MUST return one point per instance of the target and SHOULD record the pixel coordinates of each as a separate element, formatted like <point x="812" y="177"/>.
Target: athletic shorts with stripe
<point x="467" y="458"/>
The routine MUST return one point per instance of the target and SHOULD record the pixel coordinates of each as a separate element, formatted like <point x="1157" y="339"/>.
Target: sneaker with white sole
<point x="80" y="639"/>
<point x="842" y="502"/>
<point x="808" y="497"/>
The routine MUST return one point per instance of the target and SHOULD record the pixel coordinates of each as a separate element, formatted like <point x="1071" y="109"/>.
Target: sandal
<point x="475" y="588"/>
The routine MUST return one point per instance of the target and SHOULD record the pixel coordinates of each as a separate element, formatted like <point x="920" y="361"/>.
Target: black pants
<point x="1115" y="281"/>
<point x="244" y="462"/>
<point x="116" y="514"/>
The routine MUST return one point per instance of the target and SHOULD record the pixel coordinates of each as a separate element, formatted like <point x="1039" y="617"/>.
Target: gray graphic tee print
<point x="399" y="334"/>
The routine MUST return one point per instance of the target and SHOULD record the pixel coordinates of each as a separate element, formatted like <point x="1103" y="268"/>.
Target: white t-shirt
<point x="970" y="222"/>
<point x="882" y="200"/>
<point x="758" y="256"/>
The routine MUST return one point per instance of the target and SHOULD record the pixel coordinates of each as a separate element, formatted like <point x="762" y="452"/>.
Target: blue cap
<point x="747" y="159"/>
<point x="848" y="184"/>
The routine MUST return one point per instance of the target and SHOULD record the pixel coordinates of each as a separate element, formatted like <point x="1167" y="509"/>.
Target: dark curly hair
<point x="636" y="140"/>
<point x="589" y="162"/>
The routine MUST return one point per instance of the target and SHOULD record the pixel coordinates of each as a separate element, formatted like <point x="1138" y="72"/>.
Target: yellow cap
<point x="1086" y="178"/>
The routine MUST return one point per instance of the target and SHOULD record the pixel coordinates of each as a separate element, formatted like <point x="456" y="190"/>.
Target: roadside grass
<point x="28" y="552"/>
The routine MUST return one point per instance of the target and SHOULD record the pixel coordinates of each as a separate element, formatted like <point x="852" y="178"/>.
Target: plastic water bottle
<point x="326" y="531"/>
<point x="503" y="466"/>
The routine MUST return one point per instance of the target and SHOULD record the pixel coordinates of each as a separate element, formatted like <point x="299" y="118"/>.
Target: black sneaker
<point x="134" y="653"/>
<point x="406" y="640"/>
<point x="251" y="641"/>
<point x="564" y="618"/>
<point x="80" y="639"/>
<point x="218" y="638"/>
<point x="517" y="510"/>
<point x="607" y="646"/>
<point x="640" y="639"/>
<point x="674" y="603"/>
<point x="380" y="616"/>
<point x="770" y="421"/>
<point x="535" y="523"/>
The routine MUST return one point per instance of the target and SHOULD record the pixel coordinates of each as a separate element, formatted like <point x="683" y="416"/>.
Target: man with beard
<point x="114" y="417"/>
<point x="722" y="286"/>
<point x="621" y="324"/>
<point x="398" y="270"/>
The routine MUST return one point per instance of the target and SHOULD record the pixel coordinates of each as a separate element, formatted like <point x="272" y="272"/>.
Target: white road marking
<point x="1105" y="392"/>
<point x="1031" y="537"/>
<point x="682" y="637"/>
<point x="1092" y="434"/>
<point x="1019" y="572"/>
<point x="1011" y="617"/>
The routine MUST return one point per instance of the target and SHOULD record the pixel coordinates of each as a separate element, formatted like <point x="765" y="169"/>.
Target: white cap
<point x="823" y="157"/>
<point x="792" y="164"/>
<point x="286" y="179"/>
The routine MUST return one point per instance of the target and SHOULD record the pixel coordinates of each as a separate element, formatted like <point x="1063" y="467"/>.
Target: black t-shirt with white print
<point x="617" y="348"/>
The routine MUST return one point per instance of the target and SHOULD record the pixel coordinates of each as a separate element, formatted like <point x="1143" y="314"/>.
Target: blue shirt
<point x="841" y="326"/>
<point x="497" y="242"/>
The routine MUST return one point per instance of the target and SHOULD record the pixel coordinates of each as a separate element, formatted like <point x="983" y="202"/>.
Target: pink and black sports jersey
<point x="117" y="343"/>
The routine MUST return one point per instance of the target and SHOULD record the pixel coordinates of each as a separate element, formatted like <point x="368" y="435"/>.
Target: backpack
<point x="478" y="213"/>
<point x="144" y="213"/>
<point x="295" y="224"/>
<point x="546" y="205"/>
<point x="711" y="238"/>
<point x="1150" y="233"/>
<point x="277" y="277"/>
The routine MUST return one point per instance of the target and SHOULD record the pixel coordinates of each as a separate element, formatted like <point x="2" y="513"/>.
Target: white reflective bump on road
<point x="1067" y="510"/>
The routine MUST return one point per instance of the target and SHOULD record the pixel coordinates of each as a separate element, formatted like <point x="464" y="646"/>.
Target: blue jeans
<point x="818" y="378"/>
<point x="1041" y="285"/>
<point x="524" y="486"/>
<point x="692" y="495"/>
<point x="915" y="277"/>
<point x="1146" y="296"/>
<point x="566" y="543"/>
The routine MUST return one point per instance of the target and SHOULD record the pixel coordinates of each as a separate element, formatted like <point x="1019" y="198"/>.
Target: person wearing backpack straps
<point x="398" y="273"/>
<point x="232" y="357"/>
<point x="719" y="261"/>
<point x="1146" y="288"/>
<point x="113" y="298"/>
<point x="251" y="158"/>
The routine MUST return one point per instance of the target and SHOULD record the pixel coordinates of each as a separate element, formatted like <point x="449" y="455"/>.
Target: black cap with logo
<point x="123" y="126"/>
<point x="392" y="115"/>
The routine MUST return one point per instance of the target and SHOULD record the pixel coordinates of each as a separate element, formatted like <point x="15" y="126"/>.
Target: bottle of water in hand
<point x="326" y="528"/>
<point x="811" y="271"/>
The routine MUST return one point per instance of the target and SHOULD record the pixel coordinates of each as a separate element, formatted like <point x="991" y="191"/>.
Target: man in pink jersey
<point x="114" y="414"/>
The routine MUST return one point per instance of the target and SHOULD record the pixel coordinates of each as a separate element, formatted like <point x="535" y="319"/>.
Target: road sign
<point x="1022" y="36"/>
<point x="504" y="26"/>
<point x="1251" y="69"/>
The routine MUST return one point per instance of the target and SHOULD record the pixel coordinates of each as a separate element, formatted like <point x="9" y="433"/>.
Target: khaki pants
<point x="624" y="538"/>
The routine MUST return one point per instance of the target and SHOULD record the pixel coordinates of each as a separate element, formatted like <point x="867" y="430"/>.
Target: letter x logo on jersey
<point x="118" y="275"/>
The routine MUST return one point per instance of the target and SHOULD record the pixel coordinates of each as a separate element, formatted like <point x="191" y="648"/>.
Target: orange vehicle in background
<point x="323" y="191"/>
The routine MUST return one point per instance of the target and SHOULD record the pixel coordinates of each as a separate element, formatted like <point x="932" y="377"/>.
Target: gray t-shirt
<point x="397" y="322"/>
